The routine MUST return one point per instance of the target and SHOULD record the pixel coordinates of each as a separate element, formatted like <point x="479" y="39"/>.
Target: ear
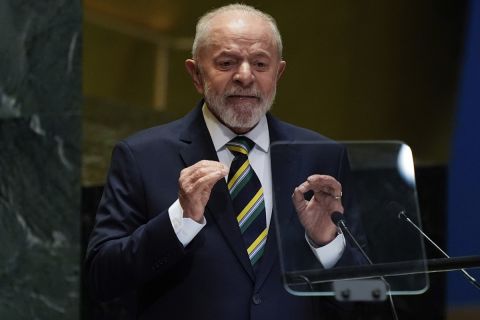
<point x="194" y="72"/>
<point x="281" y="69"/>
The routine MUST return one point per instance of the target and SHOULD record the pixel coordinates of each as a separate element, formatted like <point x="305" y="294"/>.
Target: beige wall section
<point x="355" y="70"/>
<point x="117" y="67"/>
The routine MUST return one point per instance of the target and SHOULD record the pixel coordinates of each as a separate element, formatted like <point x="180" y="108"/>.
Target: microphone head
<point x="336" y="217"/>
<point x="396" y="209"/>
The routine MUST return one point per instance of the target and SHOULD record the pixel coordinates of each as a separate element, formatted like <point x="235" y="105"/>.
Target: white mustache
<point x="240" y="92"/>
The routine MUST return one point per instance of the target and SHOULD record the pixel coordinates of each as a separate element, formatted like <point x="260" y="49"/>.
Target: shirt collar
<point x="221" y="134"/>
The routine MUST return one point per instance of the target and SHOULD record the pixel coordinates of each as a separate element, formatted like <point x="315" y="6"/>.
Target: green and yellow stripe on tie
<point x="255" y="250"/>
<point x="251" y="211"/>
<point x="240" y="177"/>
<point x="238" y="148"/>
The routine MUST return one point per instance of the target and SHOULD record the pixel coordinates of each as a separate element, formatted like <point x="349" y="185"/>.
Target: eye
<point x="225" y="64"/>
<point x="260" y="65"/>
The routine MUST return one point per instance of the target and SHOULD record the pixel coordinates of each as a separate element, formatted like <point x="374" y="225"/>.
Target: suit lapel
<point x="199" y="146"/>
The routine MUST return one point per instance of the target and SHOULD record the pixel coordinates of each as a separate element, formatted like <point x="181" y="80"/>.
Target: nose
<point x="244" y="75"/>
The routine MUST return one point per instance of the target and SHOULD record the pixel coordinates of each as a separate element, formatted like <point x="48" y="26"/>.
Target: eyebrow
<point x="234" y="52"/>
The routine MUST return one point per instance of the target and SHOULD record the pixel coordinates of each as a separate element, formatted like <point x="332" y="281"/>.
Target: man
<point x="171" y="228"/>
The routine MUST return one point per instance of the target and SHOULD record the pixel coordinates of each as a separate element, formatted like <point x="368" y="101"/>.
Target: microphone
<point x="401" y="214"/>
<point x="339" y="221"/>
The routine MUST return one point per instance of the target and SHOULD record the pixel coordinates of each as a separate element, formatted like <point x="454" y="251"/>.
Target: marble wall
<point x="40" y="130"/>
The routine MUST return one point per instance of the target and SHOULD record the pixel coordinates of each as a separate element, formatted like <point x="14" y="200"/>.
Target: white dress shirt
<point x="186" y="229"/>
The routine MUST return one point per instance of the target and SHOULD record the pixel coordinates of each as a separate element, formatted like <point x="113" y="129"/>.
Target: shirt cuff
<point x="185" y="228"/>
<point x="329" y="254"/>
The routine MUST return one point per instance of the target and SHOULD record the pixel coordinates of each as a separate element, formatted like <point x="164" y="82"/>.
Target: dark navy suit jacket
<point x="134" y="252"/>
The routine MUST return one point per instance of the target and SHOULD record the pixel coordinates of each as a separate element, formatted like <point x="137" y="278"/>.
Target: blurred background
<point x="76" y="77"/>
<point x="355" y="70"/>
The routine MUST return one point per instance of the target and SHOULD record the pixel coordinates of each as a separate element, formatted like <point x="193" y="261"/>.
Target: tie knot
<point x="240" y="144"/>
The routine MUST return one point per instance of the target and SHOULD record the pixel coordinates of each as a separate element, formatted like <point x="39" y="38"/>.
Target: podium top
<point x="379" y="192"/>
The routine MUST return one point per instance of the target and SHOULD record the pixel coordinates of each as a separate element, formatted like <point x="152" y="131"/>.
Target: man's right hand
<point x="195" y="185"/>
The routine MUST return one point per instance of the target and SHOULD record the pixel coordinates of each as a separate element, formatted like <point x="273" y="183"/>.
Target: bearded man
<point x="185" y="223"/>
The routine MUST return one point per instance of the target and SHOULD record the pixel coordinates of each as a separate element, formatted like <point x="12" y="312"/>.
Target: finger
<point x="195" y="172"/>
<point x="201" y="188"/>
<point x="206" y="182"/>
<point x="323" y="179"/>
<point x="325" y="184"/>
<point x="322" y="185"/>
<point x="208" y="167"/>
<point x="215" y="164"/>
<point x="298" y="199"/>
<point x="203" y="164"/>
<point x="304" y="187"/>
<point x="202" y="183"/>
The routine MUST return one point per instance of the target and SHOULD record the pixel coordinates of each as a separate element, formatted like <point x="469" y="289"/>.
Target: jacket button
<point x="257" y="299"/>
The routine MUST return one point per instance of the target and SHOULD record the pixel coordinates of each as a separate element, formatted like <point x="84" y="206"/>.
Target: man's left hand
<point x="314" y="214"/>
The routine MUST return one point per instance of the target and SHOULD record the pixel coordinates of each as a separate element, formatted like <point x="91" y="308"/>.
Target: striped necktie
<point x="247" y="196"/>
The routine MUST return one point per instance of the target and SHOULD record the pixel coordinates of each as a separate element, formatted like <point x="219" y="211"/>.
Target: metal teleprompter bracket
<point x="360" y="290"/>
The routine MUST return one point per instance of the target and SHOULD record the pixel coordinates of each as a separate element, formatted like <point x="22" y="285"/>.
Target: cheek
<point x="269" y="77"/>
<point x="219" y="82"/>
<point x="266" y="83"/>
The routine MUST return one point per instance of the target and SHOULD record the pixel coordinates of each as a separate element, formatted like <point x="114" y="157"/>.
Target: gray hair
<point x="204" y="24"/>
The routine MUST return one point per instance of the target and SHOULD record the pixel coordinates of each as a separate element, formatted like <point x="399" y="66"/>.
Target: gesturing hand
<point x="314" y="214"/>
<point x="195" y="185"/>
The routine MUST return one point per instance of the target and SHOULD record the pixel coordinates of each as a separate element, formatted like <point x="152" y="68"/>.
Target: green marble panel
<point x="40" y="133"/>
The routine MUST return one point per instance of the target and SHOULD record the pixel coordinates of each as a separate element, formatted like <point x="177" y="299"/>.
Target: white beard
<point x="241" y="116"/>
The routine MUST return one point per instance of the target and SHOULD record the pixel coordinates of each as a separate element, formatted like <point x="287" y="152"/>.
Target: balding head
<point x="204" y="25"/>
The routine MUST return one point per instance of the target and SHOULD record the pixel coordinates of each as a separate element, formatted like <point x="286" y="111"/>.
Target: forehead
<point x="236" y="30"/>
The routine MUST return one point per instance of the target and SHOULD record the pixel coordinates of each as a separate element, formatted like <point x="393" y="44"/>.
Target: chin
<point x="239" y="120"/>
<point x="242" y="117"/>
<point x="239" y="116"/>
